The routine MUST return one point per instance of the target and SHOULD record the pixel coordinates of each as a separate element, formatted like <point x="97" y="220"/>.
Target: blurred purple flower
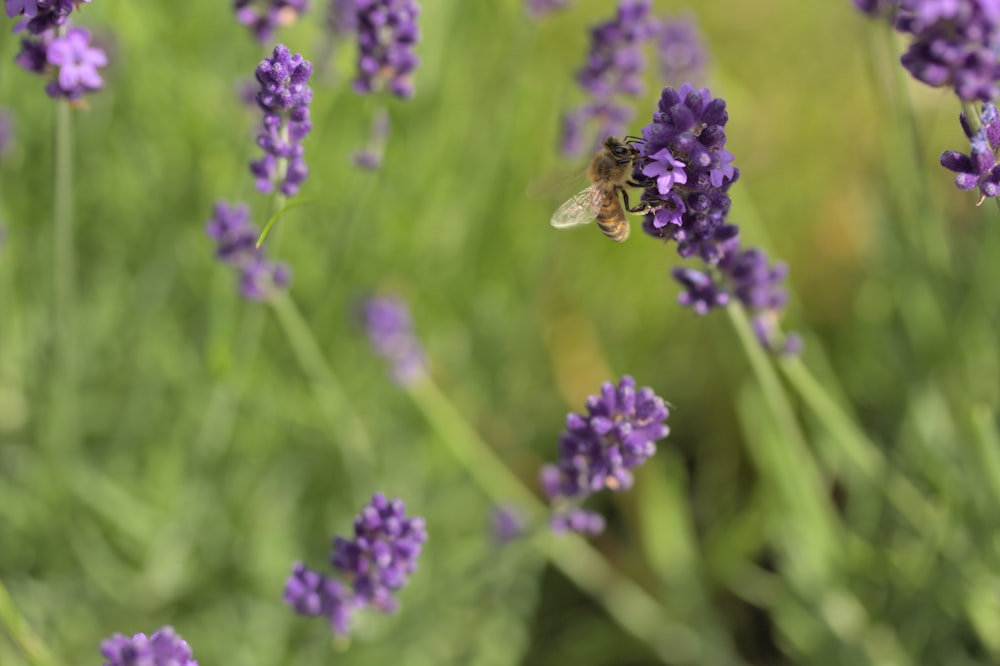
<point x="77" y="62"/>
<point x="163" y="648"/>
<point x="236" y="246"/>
<point x="314" y="595"/>
<point x="370" y="157"/>
<point x="680" y="51"/>
<point x="979" y="168"/>
<point x="387" y="33"/>
<point x="390" y="331"/>
<point x="382" y="554"/>
<point x="41" y="15"/>
<point x="614" y="68"/>
<point x="263" y="17"/>
<point x="376" y="563"/>
<point x="599" y="451"/>
<point x="284" y="97"/>
<point x="577" y="520"/>
<point x="507" y="523"/>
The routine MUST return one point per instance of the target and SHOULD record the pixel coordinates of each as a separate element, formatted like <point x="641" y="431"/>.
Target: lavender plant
<point x="390" y="330"/>
<point x="236" y="239"/>
<point x="163" y="648"/>
<point x="376" y="564"/>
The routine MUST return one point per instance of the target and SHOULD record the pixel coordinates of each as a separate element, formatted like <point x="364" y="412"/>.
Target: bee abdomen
<point x="612" y="222"/>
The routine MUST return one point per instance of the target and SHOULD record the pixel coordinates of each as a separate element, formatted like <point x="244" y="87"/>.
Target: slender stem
<point x="26" y="639"/>
<point x="627" y="603"/>
<point x="355" y="442"/>
<point x="65" y="418"/>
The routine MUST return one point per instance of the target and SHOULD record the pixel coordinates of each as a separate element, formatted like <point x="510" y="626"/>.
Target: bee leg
<point x="645" y="182"/>
<point x="643" y="207"/>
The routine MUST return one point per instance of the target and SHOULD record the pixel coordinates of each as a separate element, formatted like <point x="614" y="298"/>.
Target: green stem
<point x="629" y="605"/>
<point x="355" y="442"/>
<point x="860" y="452"/>
<point x="65" y="418"/>
<point x="786" y="460"/>
<point x="15" y="624"/>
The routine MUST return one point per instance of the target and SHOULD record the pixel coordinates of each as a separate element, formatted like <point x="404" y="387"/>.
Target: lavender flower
<point x="163" y="648"/>
<point x="979" y="168"/>
<point x="687" y="135"/>
<point x="70" y="58"/>
<point x="376" y="563"/>
<point x="538" y="8"/>
<point x="577" y="520"/>
<point x="387" y="34"/>
<point x="236" y="239"/>
<point x="614" y="68"/>
<point x="42" y="15"/>
<point x="314" y="595"/>
<point x="390" y="331"/>
<point x="284" y="97"/>
<point x="955" y="43"/>
<point x="680" y="52"/>
<point x="263" y="17"/>
<point x="382" y="554"/>
<point x="599" y="450"/>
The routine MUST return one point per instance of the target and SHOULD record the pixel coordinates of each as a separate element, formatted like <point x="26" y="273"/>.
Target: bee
<point x="609" y="173"/>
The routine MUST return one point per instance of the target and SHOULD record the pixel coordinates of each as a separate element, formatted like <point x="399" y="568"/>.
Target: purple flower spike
<point x="577" y="520"/>
<point x="599" y="450"/>
<point x="236" y="246"/>
<point x="387" y="35"/>
<point x="263" y="17"/>
<point x="701" y="293"/>
<point x="284" y="97"/>
<point x="382" y="554"/>
<point x="312" y="594"/>
<point x="163" y="648"/>
<point x="390" y="331"/>
<point x="979" y="168"/>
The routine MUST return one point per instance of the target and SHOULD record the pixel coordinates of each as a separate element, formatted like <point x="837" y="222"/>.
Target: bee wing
<point x="580" y="209"/>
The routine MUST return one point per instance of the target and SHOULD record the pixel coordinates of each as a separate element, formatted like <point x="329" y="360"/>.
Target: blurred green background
<point x="205" y="463"/>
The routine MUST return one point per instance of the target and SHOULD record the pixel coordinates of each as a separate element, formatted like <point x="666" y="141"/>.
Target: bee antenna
<point x="634" y="139"/>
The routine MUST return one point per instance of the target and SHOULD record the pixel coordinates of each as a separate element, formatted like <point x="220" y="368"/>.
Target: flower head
<point x="599" y="450"/>
<point x="387" y="34"/>
<point x="382" y="554"/>
<point x="163" y="648"/>
<point x="263" y="17"/>
<point x="390" y="331"/>
<point x="376" y="564"/>
<point x="314" y="595"/>
<point x="236" y="246"/>
<point x="284" y="97"/>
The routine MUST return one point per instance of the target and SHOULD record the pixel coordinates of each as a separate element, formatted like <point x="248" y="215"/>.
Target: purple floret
<point x="163" y="648"/>
<point x="312" y="594"/>
<point x="77" y="62"/>
<point x="979" y="168"/>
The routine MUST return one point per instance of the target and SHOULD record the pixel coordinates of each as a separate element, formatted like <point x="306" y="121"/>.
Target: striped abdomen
<point x="611" y="216"/>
